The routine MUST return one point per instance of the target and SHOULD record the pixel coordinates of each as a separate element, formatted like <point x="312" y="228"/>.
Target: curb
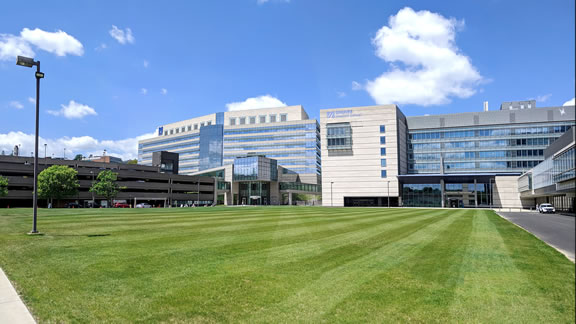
<point x="12" y="309"/>
<point x="566" y="254"/>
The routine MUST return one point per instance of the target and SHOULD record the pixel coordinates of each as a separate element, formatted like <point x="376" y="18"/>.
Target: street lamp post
<point x="45" y="145"/>
<point x="388" y="182"/>
<point x="92" y="173"/>
<point x="29" y="62"/>
<point x="64" y="153"/>
<point x="331" y="200"/>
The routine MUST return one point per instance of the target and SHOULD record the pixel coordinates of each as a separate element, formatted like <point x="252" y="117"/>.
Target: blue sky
<point x="116" y="70"/>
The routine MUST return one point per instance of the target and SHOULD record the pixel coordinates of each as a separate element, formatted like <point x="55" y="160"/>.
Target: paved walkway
<point x="12" y="309"/>
<point x="556" y="230"/>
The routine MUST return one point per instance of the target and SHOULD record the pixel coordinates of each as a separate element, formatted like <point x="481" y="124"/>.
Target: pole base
<point x="34" y="233"/>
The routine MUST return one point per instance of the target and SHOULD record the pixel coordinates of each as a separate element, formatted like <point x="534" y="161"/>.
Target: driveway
<point x="556" y="230"/>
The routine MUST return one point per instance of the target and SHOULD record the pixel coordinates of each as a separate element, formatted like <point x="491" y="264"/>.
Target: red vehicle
<point x="121" y="205"/>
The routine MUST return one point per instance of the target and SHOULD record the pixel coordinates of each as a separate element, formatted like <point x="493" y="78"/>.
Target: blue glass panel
<point x="211" y="146"/>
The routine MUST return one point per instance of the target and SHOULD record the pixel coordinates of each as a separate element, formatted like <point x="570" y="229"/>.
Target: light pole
<point x="388" y="182"/>
<point x="64" y="153"/>
<point x="92" y="173"/>
<point x="28" y="62"/>
<point x="331" y="200"/>
<point x="45" y="160"/>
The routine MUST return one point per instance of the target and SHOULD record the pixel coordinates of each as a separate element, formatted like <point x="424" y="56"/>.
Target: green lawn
<point x="281" y="264"/>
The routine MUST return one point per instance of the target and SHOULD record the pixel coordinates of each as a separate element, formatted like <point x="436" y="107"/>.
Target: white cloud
<point x="59" y="43"/>
<point x="426" y="66"/>
<point x="543" y="98"/>
<point x="164" y="91"/>
<point x="260" y="2"/>
<point x="16" y="104"/>
<point x="341" y="94"/>
<point x="73" y="110"/>
<point x="32" y="100"/>
<point x="124" y="148"/>
<point x="266" y="101"/>
<point x="101" y="47"/>
<point x="11" y="46"/>
<point x="569" y="102"/>
<point x="122" y="36"/>
<point x="143" y="91"/>
<point x="146" y="64"/>
<point x="356" y="86"/>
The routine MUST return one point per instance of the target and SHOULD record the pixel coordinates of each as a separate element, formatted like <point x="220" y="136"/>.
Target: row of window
<point x="266" y="138"/>
<point x="383" y="173"/>
<point x="474" y="155"/>
<point x="474" y="165"/>
<point x="489" y="132"/>
<point x="261" y="119"/>
<point x="272" y="129"/>
<point x="188" y="128"/>
<point x="490" y="143"/>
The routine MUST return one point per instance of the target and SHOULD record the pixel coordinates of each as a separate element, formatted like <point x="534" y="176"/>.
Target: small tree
<point x="134" y="161"/>
<point x="78" y="157"/>
<point x="57" y="182"/>
<point x="3" y="187"/>
<point x="106" y="185"/>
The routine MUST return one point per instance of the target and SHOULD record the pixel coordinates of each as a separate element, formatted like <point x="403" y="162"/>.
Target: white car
<point x="546" y="208"/>
<point x="143" y="205"/>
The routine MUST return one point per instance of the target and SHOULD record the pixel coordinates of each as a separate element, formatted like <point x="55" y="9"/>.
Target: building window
<point x="382" y="139"/>
<point x="339" y="136"/>
<point x="195" y="126"/>
<point x="383" y="163"/>
<point x="242" y="120"/>
<point x="382" y="129"/>
<point x="177" y="130"/>
<point x="189" y="127"/>
<point x="272" y="118"/>
<point x="383" y="174"/>
<point x="232" y="121"/>
<point x="382" y="151"/>
<point x="262" y="119"/>
<point x="183" y="129"/>
<point x="252" y="120"/>
<point x="209" y="123"/>
<point x="283" y="117"/>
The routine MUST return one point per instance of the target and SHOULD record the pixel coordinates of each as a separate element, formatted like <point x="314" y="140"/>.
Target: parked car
<point x="143" y="205"/>
<point x="72" y="205"/>
<point x="121" y="205"/>
<point x="90" y="204"/>
<point x="546" y="208"/>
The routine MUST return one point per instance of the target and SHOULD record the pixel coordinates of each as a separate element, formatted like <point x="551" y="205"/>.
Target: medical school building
<point x="259" y="157"/>
<point x="376" y="156"/>
<point x="370" y="156"/>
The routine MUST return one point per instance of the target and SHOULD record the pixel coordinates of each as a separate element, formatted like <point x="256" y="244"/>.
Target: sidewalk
<point x="12" y="309"/>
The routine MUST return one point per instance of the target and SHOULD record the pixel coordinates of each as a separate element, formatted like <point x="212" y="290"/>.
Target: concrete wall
<point x="506" y="193"/>
<point x="358" y="174"/>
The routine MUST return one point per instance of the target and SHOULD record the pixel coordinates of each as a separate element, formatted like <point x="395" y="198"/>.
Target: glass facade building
<point x="285" y="134"/>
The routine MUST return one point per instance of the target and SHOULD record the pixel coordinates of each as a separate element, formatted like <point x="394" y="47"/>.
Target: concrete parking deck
<point x="556" y="230"/>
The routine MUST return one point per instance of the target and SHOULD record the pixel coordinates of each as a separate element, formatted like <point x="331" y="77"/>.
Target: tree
<point x="3" y="187"/>
<point x="135" y="161"/>
<point x="78" y="157"/>
<point x="57" y="182"/>
<point x="106" y="185"/>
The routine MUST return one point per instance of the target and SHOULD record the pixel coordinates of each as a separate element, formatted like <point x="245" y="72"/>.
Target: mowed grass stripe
<point x="180" y="235"/>
<point x="229" y="247"/>
<point x="491" y="277"/>
<point x="417" y="289"/>
<point x="350" y="266"/>
<point x="367" y="265"/>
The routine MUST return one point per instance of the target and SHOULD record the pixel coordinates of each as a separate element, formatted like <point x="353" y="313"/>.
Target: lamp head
<point x="25" y="61"/>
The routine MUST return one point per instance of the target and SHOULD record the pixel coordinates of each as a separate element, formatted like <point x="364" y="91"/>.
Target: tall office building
<point x="285" y="134"/>
<point x="453" y="160"/>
